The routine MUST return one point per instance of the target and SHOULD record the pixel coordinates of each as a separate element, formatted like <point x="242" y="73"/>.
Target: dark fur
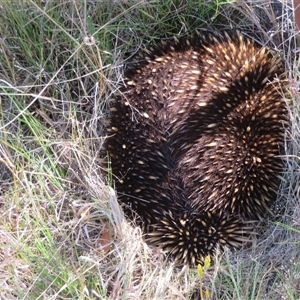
<point x="194" y="141"/>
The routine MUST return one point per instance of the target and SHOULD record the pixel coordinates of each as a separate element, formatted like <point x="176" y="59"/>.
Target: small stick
<point x="297" y="13"/>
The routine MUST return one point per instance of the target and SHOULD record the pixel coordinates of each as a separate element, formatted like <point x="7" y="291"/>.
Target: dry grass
<point x="60" y="63"/>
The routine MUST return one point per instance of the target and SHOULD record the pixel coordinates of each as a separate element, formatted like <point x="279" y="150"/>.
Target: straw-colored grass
<point x="60" y="64"/>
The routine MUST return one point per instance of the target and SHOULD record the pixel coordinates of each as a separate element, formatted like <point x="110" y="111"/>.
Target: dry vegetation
<point x="60" y="63"/>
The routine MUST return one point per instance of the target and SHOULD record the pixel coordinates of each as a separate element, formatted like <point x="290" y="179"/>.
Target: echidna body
<point x="195" y="141"/>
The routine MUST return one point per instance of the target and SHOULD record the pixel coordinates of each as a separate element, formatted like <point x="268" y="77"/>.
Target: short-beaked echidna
<point x="195" y="141"/>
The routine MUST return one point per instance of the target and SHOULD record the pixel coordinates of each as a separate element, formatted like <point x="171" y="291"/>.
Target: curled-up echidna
<point x="195" y="141"/>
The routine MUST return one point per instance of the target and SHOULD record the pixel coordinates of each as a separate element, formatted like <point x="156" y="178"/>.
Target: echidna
<point x="195" y="141"/>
